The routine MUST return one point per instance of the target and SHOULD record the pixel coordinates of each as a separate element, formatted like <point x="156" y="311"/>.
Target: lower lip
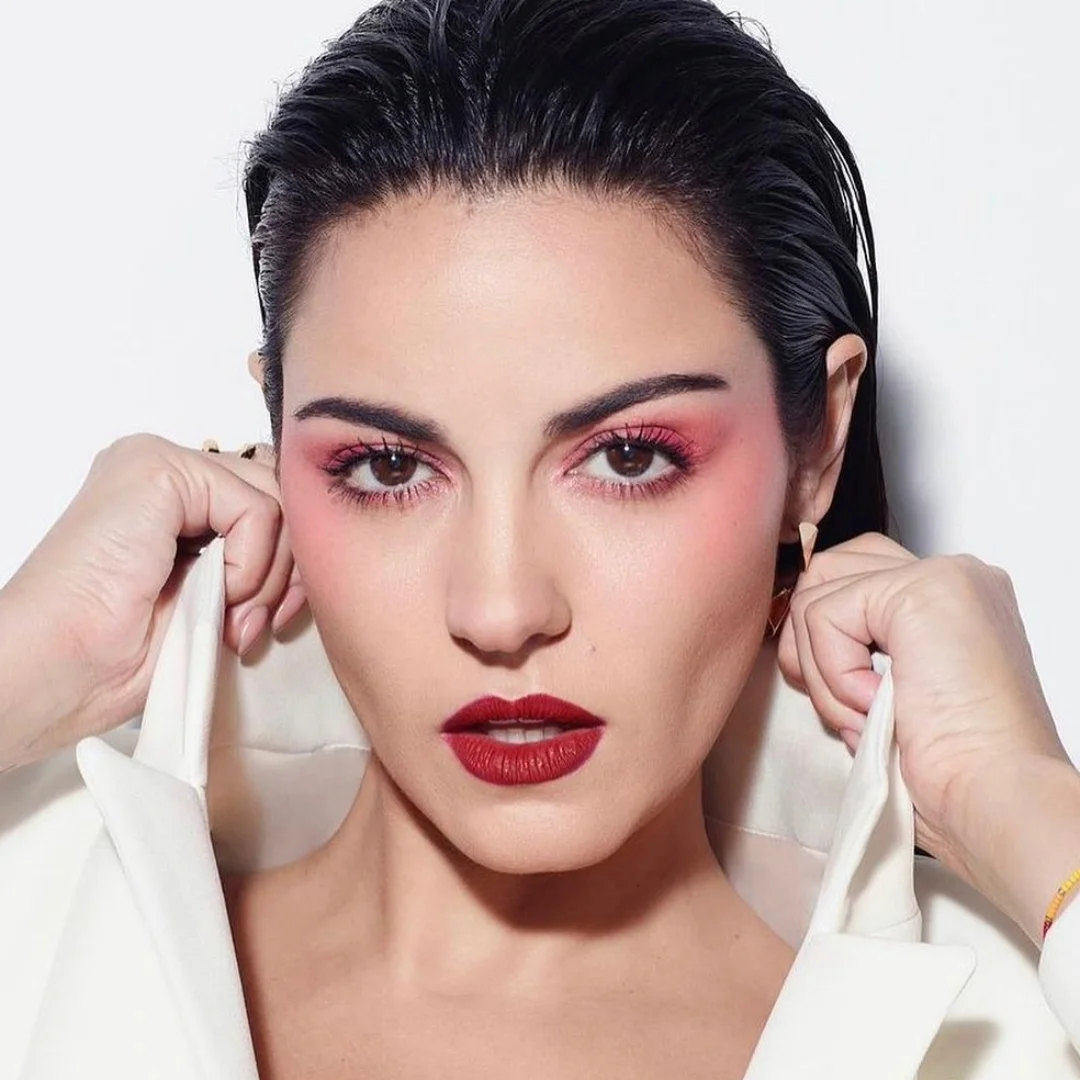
<point x="524" y="763"/>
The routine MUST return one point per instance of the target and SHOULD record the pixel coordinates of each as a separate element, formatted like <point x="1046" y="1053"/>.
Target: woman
<point x="568" y="359"/>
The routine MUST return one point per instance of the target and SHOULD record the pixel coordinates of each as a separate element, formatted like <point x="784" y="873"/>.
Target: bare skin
<point x="91" y="604"/>
<point x="661" y="969"/>
<point x="593" y="901"/>
<point x="581" y="925"/>
<point x="449" y="928"/>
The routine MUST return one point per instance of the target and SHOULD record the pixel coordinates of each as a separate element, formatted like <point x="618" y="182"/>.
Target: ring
<point x="247" y="451"/>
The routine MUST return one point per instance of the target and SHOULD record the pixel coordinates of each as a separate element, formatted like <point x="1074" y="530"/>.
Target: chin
<point x="540" y="842"/>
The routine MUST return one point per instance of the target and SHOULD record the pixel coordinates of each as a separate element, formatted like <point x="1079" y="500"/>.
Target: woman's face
<point x="498" y="553"/>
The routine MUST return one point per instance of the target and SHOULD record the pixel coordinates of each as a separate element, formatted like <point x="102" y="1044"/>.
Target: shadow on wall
<point x="903" y="414"/>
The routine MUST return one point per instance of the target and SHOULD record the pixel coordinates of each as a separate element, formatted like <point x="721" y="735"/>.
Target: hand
<point x="107" y="575"/>
<point x="971" y="718"/>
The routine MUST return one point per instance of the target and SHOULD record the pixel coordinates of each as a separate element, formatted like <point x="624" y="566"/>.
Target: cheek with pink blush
<point x="349" y="561"/>
<point x="733" y="504"/>
<point x="326" y="544"/>
<point x="313" y="518"/>
<point x="729" y="508"/>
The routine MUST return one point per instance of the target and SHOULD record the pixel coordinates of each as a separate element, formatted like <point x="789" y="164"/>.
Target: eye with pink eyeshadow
<point x="624" y="447"/>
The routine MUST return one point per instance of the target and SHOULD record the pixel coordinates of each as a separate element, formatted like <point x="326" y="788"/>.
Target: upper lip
<point x="533" y="708"/>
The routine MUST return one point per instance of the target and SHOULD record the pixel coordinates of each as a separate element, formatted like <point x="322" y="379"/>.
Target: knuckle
<point x="1002" y="578"/>
<point x="132" y="444"/>
<point x="971" y="571"/>
<point x="966" y="574"/>
<point x="968" y="563"/>
<point x="137" y="442"/>
<point x="823" y="565"/>
<point x="812" y="609"/>
<point x="877" y="543"/>
<point x="798" y="602"/>
<point x="132" y="457"/>
<point x="273" y="507"/>
<point x="868" y="541"/>
<point x="956" y="569"/>
<point x="267" y="507"/>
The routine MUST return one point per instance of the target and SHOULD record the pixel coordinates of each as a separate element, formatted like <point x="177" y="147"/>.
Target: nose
<point x="503" y="594"/>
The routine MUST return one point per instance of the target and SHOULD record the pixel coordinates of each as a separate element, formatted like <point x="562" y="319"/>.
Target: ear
<point x="255" y="367"/>
<point x="845" y="361"/>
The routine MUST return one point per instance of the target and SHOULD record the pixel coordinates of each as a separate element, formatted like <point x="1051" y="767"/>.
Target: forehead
<point x="572" y="283"/>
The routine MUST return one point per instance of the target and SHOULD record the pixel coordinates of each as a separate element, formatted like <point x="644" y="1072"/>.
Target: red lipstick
<point x="528" y="741"/>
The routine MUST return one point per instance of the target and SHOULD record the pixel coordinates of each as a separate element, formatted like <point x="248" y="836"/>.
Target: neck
<point x="391" y="893"/>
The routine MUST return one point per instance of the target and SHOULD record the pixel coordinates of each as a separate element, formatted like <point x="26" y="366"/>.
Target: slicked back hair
<point x="667" y="102"/>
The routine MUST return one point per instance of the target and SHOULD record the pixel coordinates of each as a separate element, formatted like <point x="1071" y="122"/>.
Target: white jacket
<point x="116" y="957"/>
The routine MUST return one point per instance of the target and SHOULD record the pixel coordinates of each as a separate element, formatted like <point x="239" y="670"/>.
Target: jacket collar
<point x="821" y="846"/>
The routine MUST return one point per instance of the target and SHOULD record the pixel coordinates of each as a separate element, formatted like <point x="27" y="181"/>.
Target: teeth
<point x="520" y="735"/>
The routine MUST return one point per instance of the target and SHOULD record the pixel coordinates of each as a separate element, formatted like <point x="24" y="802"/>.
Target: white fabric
<point x="116" y="956"/>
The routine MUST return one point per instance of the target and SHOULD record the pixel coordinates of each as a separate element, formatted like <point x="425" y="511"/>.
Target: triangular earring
<point x="808" y="534"/>
<point x="781" y="601"/>
<point x="778" y="611"/>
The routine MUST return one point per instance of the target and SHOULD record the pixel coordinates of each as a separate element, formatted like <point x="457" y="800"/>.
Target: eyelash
<point x="682" y="457"/>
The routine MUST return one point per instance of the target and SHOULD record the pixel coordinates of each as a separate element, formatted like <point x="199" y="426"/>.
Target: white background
<point x="127" y="300"/>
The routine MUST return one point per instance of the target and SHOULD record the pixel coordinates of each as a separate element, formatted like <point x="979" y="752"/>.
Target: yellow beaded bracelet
<point x="1059" y="897"/>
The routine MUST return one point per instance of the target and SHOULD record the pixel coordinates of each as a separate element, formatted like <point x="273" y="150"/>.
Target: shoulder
<point x="1001" y="1026"/>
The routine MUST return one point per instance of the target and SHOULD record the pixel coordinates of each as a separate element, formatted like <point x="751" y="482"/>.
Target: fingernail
<point x="253" y="626"/>
<point x="291" y="603"/>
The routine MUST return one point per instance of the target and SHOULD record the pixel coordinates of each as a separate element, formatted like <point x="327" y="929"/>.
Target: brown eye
<point x="629" y="459"/>
<point x="391" y="468"/>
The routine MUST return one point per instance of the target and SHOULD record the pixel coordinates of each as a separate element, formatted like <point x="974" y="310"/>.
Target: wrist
<point x="45" y="682"/>
<point x="1018" y="837"/>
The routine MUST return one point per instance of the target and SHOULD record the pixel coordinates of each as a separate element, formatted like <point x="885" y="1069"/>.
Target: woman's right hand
<point x="107" y="575"/>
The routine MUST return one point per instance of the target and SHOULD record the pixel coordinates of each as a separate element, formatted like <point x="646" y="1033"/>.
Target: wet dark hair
<point x="668" y="102"/>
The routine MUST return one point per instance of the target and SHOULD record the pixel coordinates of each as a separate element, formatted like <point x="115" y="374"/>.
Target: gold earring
<point x="778" y="611"/>
<point x="781" y="601"/>
<point x="808" y="534"/>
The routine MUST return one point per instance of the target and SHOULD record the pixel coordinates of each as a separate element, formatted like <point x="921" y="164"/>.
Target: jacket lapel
<point x="865" y="996"/>
<point x="855" y="1007"/>
<point x="158" y="829"/>
<point x="153" y="808"/>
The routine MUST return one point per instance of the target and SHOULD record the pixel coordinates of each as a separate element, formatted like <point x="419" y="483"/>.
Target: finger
<point x="842" y="658"/>
<point x="283" y="603"/>
<point x="838" y="563"/>
<point x="851" y="739"/>
<point x="834" y="713"/>
<point x="834" y="564"/>
<point x="260" y="608"/>
<point x="281" y="596"/>
<point x="245" y="622"/>
<point x="805" y="590"/>
<point x="257" y="471"/>
<point x="833" y="647"/>
<point x="873" y="543"/>
<point x="216" y="498"/>
<point x="291" y="605"/>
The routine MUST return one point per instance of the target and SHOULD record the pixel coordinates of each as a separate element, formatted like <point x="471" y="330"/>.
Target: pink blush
<point x="319" y="532"/>
<point x="742" y="489"/>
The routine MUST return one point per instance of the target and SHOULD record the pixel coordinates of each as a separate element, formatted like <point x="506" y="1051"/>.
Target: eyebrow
<point x="568" y="422"/>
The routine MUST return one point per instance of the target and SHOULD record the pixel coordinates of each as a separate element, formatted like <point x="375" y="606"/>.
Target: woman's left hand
<point x="996" y="798"/>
